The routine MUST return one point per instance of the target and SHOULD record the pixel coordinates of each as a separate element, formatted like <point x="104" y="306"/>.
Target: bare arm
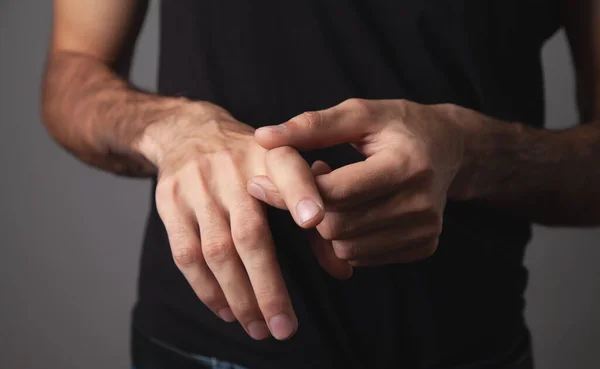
<point x="88" y="106"/>
<point x="389" y="208"/>
<point x="202" y="156"/>
<point x="550" y="177"/>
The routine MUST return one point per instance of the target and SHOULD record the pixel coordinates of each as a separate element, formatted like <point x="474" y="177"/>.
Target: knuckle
<point x="245" y="309"/>
<point x="310" y="119"/>
<point x="217" y="253"/>
<point x="185" y="256"/>
<point x="355" y="102"/>
<point x="195" y="171"/>
<point x="210" y="294"/>
<point x="424" y="203"/>
<point x="226" y="156"/>
<point x="272" y="304"/>
<point x="166" y="190"/>
<point x="449" y="109"/>
<point x="361" y="106"/>
<point x="249" y="235"/>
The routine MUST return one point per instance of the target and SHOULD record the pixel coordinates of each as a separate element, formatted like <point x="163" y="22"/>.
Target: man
<point x="402" y="245"/>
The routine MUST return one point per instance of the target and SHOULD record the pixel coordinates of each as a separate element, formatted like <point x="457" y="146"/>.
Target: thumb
<point x="317" y="129"/>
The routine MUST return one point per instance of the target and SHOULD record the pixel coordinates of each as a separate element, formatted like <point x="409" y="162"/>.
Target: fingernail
<point x="280" y="128"/>
<point x="306" y="210"/>
<point x="258" y="330"/>
<point x="256" y="191"/>
<point x="226" y="314"/>
<point x="281" y="326"/>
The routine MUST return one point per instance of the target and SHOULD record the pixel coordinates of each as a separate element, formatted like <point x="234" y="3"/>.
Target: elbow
<point x="50" y="118"/>
<point x="48" y="110"/>
<point x="53" y="93"/>
<point x="51" y="114"/>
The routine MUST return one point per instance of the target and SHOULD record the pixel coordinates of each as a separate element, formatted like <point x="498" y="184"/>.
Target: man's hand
<point x="387" y="208"/>
<point x="218" y="233"/>
<point x="203" y="158"/>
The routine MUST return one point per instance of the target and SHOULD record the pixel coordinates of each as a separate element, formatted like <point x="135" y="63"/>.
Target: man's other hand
<point x="219" y="235"/>
<point x="389" y="207"/>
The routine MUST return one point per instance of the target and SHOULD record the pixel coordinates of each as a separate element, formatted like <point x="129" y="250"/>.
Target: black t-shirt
<point x="266" y="61"/>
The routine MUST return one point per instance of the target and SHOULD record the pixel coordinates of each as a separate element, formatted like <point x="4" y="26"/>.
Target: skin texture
<point x="418" y="156"/>
<point x="202" y="156"/>
<point x="388" y="208"/>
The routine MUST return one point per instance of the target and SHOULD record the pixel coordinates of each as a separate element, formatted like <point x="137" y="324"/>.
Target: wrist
<point x="160" y="135"/>
<point x="486" y="145"/>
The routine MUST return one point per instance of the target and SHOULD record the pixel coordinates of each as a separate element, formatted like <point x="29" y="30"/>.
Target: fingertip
<point x="283" y="326"/>
<point x="320" y="167"/>
<point x="256" y="191"/>
<point x="269" y="137"/>
<point x="309" y="213"/>
<point x="261" y="188"/>
<point x="258" y="330"/>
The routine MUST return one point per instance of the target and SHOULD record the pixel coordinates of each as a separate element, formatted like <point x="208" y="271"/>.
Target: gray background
<point x="70" y="235"/>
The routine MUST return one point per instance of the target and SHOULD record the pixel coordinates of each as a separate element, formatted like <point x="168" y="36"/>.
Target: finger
<point x="292" y="176"/>
<point x="184" y="240"/>
<point x="343" y="123"/>
<point x="223" y="260"/>
<point x="322" y="248"/>
<point x="327" y="259"/>
<point x="252" y="239"/>
<point x="383" y="241"/>
<point x="404" y="210"/>
<point x="261" y="187"/>
<point x="320" y="167"/>
<point x="360" y="182"/>
<point x="413" y="254"/>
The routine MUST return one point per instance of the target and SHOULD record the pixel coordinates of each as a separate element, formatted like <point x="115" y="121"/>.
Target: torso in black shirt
<point x="268" y="60"/>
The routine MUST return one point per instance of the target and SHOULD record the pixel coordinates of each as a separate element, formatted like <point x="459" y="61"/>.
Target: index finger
<point x="343" y="123"/>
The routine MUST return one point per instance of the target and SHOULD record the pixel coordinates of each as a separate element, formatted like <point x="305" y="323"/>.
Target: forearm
<point x="548" y="177"/>
<point x="98" y="116"/>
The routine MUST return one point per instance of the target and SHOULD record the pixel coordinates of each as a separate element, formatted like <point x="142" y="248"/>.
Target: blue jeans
<point x="150" y="354"/>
